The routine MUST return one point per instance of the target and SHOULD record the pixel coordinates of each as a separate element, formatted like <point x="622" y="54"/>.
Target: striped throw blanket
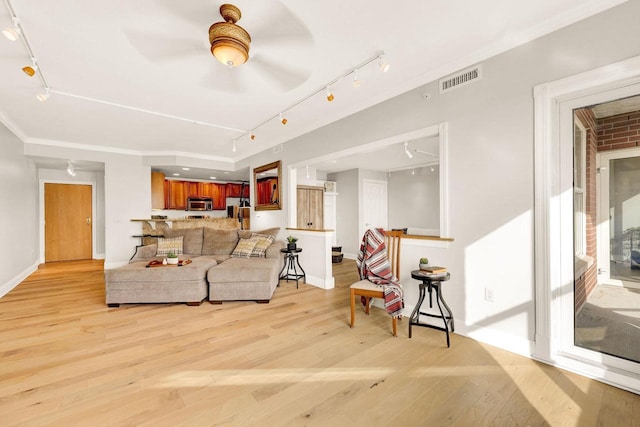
<point x="373" y="265"/>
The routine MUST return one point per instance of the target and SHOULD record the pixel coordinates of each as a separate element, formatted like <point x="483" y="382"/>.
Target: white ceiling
<point x="137" y="76"/>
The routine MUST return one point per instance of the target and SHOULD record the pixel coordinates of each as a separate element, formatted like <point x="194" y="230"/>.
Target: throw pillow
<point x="263" y="242"/>
<point x="246" y="234"/>
<point x="244" y="248"/>
<point x="169" y="245"/>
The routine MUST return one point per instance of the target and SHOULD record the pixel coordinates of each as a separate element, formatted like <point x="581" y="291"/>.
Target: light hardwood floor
<point x="68" y="359"/>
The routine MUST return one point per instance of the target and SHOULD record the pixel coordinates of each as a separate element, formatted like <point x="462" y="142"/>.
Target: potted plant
<point x="291" y="243"/>
<point x="424" y="263"/>
<point x="172" y="258"/>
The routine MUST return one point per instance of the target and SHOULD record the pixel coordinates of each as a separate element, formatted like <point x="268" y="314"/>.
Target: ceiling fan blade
<point x="285" y="77"/>
<point x="281" y="26"/>
<point x="223" y="79"/>
<point x="163" y="47"/>
<point x="193" y="11"/>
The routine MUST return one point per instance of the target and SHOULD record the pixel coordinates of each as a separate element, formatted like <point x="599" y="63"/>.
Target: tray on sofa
<point x="156" y="263"/>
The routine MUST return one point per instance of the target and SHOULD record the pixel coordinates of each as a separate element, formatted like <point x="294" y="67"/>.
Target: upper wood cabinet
<point x="219" y="195"/>
<point x="157" y="190"/>
<point x="310" y="207"/>
<point x="177" y="197"/>
<point x="193" y="188"/>
<point x="235" y="190"/>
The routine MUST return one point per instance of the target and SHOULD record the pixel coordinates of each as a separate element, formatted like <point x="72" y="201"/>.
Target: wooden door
<point x="194" y="189"/>
<point x="219" y="195"/>
<point x="68" y="222"/>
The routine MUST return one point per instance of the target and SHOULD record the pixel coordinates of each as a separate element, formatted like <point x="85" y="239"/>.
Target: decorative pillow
<point x="263" y="242"/>
<point x="246" y="234"/>
<point x="244" y="248"/>
<point x="169" y="245"/>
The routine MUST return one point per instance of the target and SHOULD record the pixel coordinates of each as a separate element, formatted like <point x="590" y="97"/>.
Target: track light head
<point x="356" y="81"/>
<point x="71" y="170"/>
<point x="384" y="66"/>
<point x="330" y="96"/>
<point x="11" y="33"/>
<point x="234" y="148"/>
<point x="252" y="136"/>
<point x="42" y="97"/>
<point x="406" y="150"/>
<point x="29" y="70"/>
<point x="283" y="119"/>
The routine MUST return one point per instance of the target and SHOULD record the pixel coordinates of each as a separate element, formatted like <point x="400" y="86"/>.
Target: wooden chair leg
<point x="353" y="307"/>
<point x="367" y="304"/>
<point x="394" y="324"/>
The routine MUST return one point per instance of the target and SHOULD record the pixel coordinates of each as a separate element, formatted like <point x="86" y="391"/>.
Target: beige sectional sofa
<point x="213" y="272"/>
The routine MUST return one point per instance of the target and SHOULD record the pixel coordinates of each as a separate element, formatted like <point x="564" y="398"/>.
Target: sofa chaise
<point x="226" y="265"/>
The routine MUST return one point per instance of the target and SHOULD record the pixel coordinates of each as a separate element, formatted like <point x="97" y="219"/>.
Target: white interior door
<point x="619" y="218"/>
<point x="374" y="204"/>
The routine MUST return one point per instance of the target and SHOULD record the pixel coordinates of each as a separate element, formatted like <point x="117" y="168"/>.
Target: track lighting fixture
<point x="71" y="170"/>
<point x="252" y="136"/>
<point x="307" y="171"/>
<point x="413" y="171"/>
<point x="30" y="70"/>
<point x="283" y="119"/>
<point x="42" y="97"/>
<point x="12" y="33"/>
<point x="384" y="66"/>
<point x="330" y="96"/>
<point x="406" y="150"/>
<point x="234" y="148"/>
<point x="356" y="81"/>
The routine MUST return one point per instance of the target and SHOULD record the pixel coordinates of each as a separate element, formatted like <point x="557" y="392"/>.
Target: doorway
<point x="556" y="269"/>
<point x="374" y="205"/>
<point x="68" y="222"/>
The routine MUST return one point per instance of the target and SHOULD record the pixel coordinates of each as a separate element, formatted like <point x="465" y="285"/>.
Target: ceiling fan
<point x="280" y="42"/>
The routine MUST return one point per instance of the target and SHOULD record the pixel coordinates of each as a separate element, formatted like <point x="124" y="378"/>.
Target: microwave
<point x="199" y="204"/>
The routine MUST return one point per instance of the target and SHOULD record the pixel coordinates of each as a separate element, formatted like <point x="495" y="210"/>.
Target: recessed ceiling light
<point x="185" y="169"/>
<point x="176" y="174"/>
<point x="212" y="177"/>
<point x="226" y="171"/>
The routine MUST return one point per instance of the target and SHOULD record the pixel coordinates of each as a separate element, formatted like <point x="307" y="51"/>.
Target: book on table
<point x="434" y="269"/>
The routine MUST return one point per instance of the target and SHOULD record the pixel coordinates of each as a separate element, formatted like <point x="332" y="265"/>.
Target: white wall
<point x="347" y="211"/>
<point x="18" y="212"/>
<point x="414" y="199"/>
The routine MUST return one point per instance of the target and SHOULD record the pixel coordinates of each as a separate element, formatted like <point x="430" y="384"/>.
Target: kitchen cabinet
<point x="310" y="207"/>
<point x="157" y="190"/>
<point x="235" y="190"/>
<point x="177" y="194"/>
<point x="193" y="189"/>
<point x="217" y="192"/>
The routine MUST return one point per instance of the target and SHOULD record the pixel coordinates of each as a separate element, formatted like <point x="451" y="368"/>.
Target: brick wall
<point x="586" y="283"/>
<point x="621" y="131"/>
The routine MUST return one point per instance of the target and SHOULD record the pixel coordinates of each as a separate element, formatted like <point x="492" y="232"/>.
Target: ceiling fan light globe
<point x="229" y="43"/>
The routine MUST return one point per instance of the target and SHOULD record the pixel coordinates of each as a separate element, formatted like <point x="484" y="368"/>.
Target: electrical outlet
<point x="488" y="294"/>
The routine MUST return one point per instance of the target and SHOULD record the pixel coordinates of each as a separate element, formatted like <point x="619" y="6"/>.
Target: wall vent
<point x="461" y="79"/>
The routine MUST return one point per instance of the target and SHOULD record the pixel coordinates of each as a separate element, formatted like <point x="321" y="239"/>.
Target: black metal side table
<point x="429" y="283"/>
<point x="290" y="262"/>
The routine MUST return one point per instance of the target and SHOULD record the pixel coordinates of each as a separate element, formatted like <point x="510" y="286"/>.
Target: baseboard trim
<point x="7" y="287"/>
<point x="327" y="283"/>
<point x="497" y="339"/>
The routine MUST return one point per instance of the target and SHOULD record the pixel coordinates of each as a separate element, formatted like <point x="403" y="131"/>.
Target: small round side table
<point x="290" y="262"/>
<point x="430" y="282"/>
